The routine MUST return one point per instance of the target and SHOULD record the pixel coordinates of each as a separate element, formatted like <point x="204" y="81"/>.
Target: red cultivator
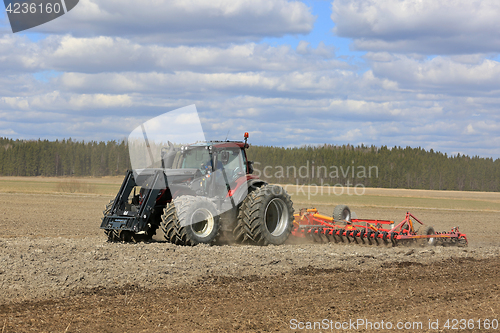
<point x="322" y="228"/>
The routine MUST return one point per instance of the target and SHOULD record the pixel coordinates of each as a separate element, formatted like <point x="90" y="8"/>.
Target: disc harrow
<point x="321" y="228"/>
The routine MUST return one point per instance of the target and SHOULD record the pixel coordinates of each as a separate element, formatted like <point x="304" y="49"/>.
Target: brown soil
<point x="58" y="274"/>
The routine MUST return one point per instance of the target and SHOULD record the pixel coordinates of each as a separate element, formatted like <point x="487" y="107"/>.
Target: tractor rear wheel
<point x="342" y="213"/>
<point x="190" y="220"/>
<point x="265" y="217"/>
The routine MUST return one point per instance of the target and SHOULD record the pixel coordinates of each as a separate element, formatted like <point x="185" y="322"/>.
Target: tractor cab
<point x="217" y="165"/>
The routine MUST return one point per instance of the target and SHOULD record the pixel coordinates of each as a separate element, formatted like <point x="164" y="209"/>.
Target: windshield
<point x="231" y="159"/>
<point x="196" y="158"/>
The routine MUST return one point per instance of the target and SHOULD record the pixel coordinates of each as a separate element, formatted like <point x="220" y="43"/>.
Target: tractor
<point x="204" y="192"/>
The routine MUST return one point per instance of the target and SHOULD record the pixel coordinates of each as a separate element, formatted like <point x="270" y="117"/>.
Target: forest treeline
<point x="372" y="166"/>
<point x="63" y="158"/>
<point x="396" y="167"/>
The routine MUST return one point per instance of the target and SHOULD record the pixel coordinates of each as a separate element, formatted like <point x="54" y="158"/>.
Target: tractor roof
<point x="220" y="144"/>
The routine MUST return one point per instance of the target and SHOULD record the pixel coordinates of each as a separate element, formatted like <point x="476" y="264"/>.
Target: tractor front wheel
<point x="190" y="220"/>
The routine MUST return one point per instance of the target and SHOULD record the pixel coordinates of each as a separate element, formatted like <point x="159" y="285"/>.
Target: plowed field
<point x="58" y="273"/>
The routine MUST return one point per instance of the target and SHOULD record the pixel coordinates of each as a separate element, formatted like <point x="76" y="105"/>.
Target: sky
<point x="418" y="73"/>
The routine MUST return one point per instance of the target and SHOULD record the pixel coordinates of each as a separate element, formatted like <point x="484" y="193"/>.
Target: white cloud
<point x="99" y="101"/>
<point x="184" y="22"/>
<point x="65" y="103"/>
<point x="422" y="26"/>
<point x="270" y="121"/>
<point x="470" y="129"/>
<point x="111" y="54"/>
<point x="448" y="74"/>
<point x="101" y="82"/>
<point x="396" y="103"/>
<point x="7" y="133"/>
<point x="16" y="102"/>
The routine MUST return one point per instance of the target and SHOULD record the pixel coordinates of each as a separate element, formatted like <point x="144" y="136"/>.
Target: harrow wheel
<point x="427" y="230"/>
<point x="190" y="220"/>
<point x="342" y="213"/>
<point x="462" y="242"/>
<point x="265" y="217"/>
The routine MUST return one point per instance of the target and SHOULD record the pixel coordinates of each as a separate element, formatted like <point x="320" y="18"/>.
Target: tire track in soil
<point x="247" y="289"/>
<point x="463" y="288"/>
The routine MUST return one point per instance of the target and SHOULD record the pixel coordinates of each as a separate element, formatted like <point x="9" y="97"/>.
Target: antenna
<point x="227" y="133"/>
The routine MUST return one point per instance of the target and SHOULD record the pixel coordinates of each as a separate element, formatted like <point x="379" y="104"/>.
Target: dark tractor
<point x="202" y="193"/>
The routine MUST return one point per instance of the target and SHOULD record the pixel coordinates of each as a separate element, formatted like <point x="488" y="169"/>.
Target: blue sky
<point x="393" y="72"/>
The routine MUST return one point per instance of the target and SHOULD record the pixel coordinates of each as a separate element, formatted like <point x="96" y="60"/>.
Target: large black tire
<point x="265" y="217"/>
<point x="427" y="230"/>
<point x="168" y="223"/>
<point x="342" y="213"/>
<point x="190" y="220"/>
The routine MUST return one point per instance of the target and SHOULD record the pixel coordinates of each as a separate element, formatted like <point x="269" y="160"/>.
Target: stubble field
<point x="58" y="273"/>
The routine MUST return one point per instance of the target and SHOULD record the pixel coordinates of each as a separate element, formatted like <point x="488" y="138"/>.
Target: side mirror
<point x="250" y="167"/>
<point x="224" y="157"/>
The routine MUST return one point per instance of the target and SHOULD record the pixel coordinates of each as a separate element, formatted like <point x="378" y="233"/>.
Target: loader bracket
<point x="121" y="217"/>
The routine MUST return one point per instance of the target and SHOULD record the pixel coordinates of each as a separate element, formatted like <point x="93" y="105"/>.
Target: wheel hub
<point x="202" y="222"/>
<point x="276" y="216"/>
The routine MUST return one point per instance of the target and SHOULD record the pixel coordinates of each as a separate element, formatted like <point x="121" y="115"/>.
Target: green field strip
<point x="26" y="186"/>
<point x="397" y="201"/>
